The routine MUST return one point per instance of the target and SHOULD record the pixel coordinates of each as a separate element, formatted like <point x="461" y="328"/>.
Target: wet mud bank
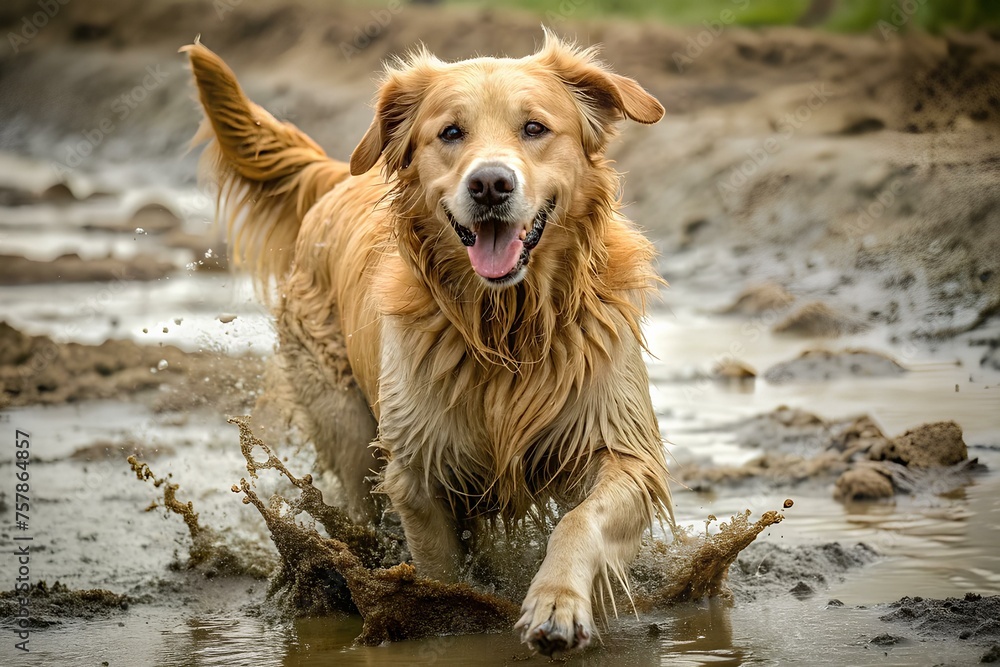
<point x="38" y="370"/>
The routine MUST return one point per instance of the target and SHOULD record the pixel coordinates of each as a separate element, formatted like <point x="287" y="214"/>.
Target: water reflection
<point x="699" y="634"/>
<point x="692" y="634"/>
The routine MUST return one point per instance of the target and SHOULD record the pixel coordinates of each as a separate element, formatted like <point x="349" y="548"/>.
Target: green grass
<point x="682" y="12"/>
<point x="848" y="15"/>
<point x="932" y="15"/>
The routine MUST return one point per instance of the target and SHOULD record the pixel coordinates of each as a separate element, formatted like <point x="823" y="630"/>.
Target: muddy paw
<point x="554" y="623"/>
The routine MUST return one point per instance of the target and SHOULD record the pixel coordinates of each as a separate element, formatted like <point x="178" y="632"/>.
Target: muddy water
<point x="90" y="529"/>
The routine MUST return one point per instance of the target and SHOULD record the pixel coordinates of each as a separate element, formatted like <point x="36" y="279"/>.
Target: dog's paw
<point x="557" y="620"/>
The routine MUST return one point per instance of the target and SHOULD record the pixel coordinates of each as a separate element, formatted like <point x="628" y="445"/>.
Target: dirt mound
<point x="800" y="447"/>
<point x="37" y="370"/>
<point x="71" y="268"/>
<point x="973" y="618"/>
<point x="766" y="569"/>
<point x="118" y="449"/>
<point x="760" y="299"/>
<point x="864" y="483"/>
<point x="927" y="446"/>
<point x="820" y="365"/>
<point x="733" y="370"/>
<point x="929" y="459"/>
<point x="51" y="605"/>
<point x="818" y="320"/>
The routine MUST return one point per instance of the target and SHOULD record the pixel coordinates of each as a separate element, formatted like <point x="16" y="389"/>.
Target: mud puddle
<point x="94" y="533"/>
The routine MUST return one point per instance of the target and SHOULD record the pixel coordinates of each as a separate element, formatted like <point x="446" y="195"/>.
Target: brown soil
<point x="864" y="483"/>
<point x="927" y="446"/>
<point x="733" y="370"/>
<point x="974" y="618"/>
<point x="817" y="320"/>
<point x="107" y="449"/>
<point x="821" y="365"/>
<point x="800" y="447"/>
<point x="51" y="605"/>
<point x="37" y="370"/>
<point x="760" y="299"/>
<point x="71" y="268"/>
<point x="767" y="569"/>
<point x="150" y="218"/>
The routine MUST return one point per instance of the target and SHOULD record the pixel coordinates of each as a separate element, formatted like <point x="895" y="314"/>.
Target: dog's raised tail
<point x="268" y="172"/>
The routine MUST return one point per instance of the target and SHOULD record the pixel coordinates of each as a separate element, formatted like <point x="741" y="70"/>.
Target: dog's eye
<point x="534" y="129"/>
<point x="452" y="133"/>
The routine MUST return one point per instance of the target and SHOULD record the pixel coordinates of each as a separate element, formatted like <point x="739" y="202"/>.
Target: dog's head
<point x="499" y="150"/>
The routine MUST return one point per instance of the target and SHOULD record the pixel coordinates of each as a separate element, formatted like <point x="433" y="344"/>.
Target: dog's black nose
<point x="491" y="184"/>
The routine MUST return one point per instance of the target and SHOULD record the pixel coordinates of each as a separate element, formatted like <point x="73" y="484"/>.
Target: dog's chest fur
<point x="494" y="439"/>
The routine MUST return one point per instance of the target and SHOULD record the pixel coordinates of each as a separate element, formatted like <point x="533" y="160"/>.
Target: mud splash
<point x="347" y="571"/>
<point x="315" y="570"/>
<point x="693" y="567"/>
<point x="209" y="552"/>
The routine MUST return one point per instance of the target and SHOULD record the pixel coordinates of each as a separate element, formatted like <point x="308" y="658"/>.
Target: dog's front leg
<point x="427" y="522"/>
<point x="599" y="537"/>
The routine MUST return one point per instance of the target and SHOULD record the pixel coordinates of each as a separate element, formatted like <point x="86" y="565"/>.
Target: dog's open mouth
<point x="498" y="249"/>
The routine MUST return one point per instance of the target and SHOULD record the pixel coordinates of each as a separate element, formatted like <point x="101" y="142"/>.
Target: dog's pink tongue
<point x="496" y="250"/>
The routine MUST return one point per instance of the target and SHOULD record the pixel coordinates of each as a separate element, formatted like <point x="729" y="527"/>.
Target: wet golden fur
<point x="483" y="401"/>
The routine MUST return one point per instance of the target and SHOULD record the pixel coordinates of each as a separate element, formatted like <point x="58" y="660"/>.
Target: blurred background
<point x="824" y="191"/>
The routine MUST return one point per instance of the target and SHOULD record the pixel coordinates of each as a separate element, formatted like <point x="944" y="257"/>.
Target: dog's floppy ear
<point x="402" y="89"/>
<point x="603" y="97"/>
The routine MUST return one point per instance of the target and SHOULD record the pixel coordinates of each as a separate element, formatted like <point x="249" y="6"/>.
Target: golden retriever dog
<point x="464" y="297"/>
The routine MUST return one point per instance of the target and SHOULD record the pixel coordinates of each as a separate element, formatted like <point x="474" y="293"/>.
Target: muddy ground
<point x="827" y="211"/>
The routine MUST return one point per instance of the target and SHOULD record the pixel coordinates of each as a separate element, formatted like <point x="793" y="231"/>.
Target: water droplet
<point x="140" y="230"/>
<point x="162" y="366"/>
